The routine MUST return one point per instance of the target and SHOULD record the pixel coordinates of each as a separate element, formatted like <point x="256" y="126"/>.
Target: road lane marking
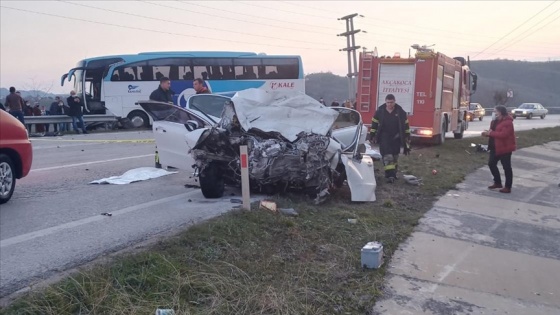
<point x="90" y="163"/>
<point x="99" y="140"/>
<point x="44" y="232"/>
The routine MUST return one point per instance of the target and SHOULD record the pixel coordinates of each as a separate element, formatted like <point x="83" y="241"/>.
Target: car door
<point x="346" y="128"/>
<point x="170" y="129"/>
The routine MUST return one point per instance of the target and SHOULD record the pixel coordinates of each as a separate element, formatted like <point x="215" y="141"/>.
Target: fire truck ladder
<point x="365" y="81"/>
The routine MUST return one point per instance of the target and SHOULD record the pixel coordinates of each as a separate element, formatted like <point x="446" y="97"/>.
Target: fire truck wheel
<point x="459" y="135"/>
<point x="440" y="139"/>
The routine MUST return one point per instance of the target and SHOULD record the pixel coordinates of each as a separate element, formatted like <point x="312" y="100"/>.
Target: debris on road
<point x="480" y="147"/>
<point x="289" y="211"/>
<point x="134" y="175"/>
<point x="434" y="171"/>
<point x="268" y="205"/>
<point x="107" y="214"/>
<point x="372" y="255"/>
<point x="412" y="180"/>
<point x="352" y="221"/>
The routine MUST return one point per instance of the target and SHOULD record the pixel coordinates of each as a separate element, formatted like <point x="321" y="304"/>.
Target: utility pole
<point x="351" y="50"/>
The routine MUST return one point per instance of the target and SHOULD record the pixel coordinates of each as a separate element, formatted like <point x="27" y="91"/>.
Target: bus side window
<point x="288" y="72"/>
<point x="245" y="72"/>
<point x="174" y="73"/>
<point x="215" y="72"/>
<point x="147" y="73"/>
<point x="199" y="72"/>
<point x="161" y="71"/>
<point x="229" y="73"/>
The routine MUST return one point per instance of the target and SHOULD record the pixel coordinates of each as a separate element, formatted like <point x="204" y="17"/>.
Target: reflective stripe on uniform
<point x="390" y="167"/>
<point x="375" y="120"/>
<point x="407" y="131"/>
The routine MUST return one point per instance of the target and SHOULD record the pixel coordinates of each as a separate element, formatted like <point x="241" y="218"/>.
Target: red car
<point x="16" y="154"/>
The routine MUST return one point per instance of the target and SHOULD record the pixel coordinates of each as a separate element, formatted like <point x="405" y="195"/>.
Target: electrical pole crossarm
<point x="349" y="33"/>
<point x="350" y="48"/>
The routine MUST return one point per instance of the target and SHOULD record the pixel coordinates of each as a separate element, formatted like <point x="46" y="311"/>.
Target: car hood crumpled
<point x="285" y="112"/>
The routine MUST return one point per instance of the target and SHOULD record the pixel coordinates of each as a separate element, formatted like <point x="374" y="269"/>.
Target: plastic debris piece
<point x="289" y="211"/>
<point x="268" y="205"/>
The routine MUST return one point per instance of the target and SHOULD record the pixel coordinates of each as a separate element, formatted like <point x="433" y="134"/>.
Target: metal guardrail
<point x="55" y="119"/>
<point x="551" y="110"/>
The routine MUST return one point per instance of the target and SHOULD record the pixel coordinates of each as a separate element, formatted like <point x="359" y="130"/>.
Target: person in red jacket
<point x="501" y="145"/>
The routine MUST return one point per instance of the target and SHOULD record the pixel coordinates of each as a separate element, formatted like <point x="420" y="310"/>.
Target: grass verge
<point x="260" y="262"/>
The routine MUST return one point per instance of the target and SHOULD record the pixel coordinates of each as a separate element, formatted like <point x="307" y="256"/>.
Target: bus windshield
<point x="78" y="78"/>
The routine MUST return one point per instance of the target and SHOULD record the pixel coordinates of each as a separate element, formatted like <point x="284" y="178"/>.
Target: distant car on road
<point x="16" y="154"/>
<point x="529" y="110"/>
<point x="476" y="111"/>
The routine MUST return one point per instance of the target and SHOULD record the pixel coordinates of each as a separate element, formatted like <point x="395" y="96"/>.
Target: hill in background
<point x="530" y="81"/>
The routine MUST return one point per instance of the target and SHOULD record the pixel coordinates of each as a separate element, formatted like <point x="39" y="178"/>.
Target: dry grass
<point x="260" y="262"/>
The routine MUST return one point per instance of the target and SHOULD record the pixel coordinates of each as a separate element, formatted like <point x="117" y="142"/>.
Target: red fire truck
<point x="432" y="88"/>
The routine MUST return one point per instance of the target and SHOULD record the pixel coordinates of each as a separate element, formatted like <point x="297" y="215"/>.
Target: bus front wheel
<point x="139" y="119"/>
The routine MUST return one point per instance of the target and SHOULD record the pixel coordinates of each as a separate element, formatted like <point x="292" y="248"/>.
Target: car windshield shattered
<point x="293" y="143"/>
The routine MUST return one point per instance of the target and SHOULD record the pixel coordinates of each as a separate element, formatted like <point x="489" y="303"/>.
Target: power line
<point x="513" y="30"/>
<point x="265" y="18"/>
<point x="417" y="32"/>
<point x="553" y="20"/>
<point x="527" y="30"/>
<point x="221" y="17"/>
<point x="158" y="31"/>
<point x="309" y="7"/>
<point x="371" y="37"/>
<point x="192" y="25"/>
<point x="276" y="9"/>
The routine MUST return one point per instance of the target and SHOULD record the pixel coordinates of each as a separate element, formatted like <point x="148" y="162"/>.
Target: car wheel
<point x="211" y="182"/>
<point x="514" y="116"/>
<point x="139" y="119"/>
<point x="480" y="118"/>
<point x="7" y="178"/>
<point x="543" y="116"/>
<point x="461" y="133"/>
<point x="530" y="116"/>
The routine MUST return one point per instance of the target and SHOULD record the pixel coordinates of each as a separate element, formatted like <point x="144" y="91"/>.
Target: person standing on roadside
<point x="501" y="144"/>
<point x="14" y="104"/>
<point x="76" y="104"/>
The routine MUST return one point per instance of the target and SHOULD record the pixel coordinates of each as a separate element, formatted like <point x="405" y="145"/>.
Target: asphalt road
<point x="519" y="124"/>
<point x="53" y="222"/>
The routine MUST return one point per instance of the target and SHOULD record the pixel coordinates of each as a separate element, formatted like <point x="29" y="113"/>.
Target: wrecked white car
<point x="294" y="143"/>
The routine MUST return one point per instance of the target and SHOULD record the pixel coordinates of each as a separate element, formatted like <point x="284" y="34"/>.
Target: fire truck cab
<point x="432" y="88"/>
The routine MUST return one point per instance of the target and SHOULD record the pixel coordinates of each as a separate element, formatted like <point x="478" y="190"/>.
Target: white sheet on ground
<point x="288" y="113"/>
<point x="134" y="175"/>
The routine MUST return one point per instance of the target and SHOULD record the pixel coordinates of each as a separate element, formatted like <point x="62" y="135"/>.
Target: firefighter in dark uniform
<point x="390" y="128"/>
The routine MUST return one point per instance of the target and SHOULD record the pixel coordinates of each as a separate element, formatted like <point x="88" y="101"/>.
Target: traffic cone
<point x="158" y="165"/>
